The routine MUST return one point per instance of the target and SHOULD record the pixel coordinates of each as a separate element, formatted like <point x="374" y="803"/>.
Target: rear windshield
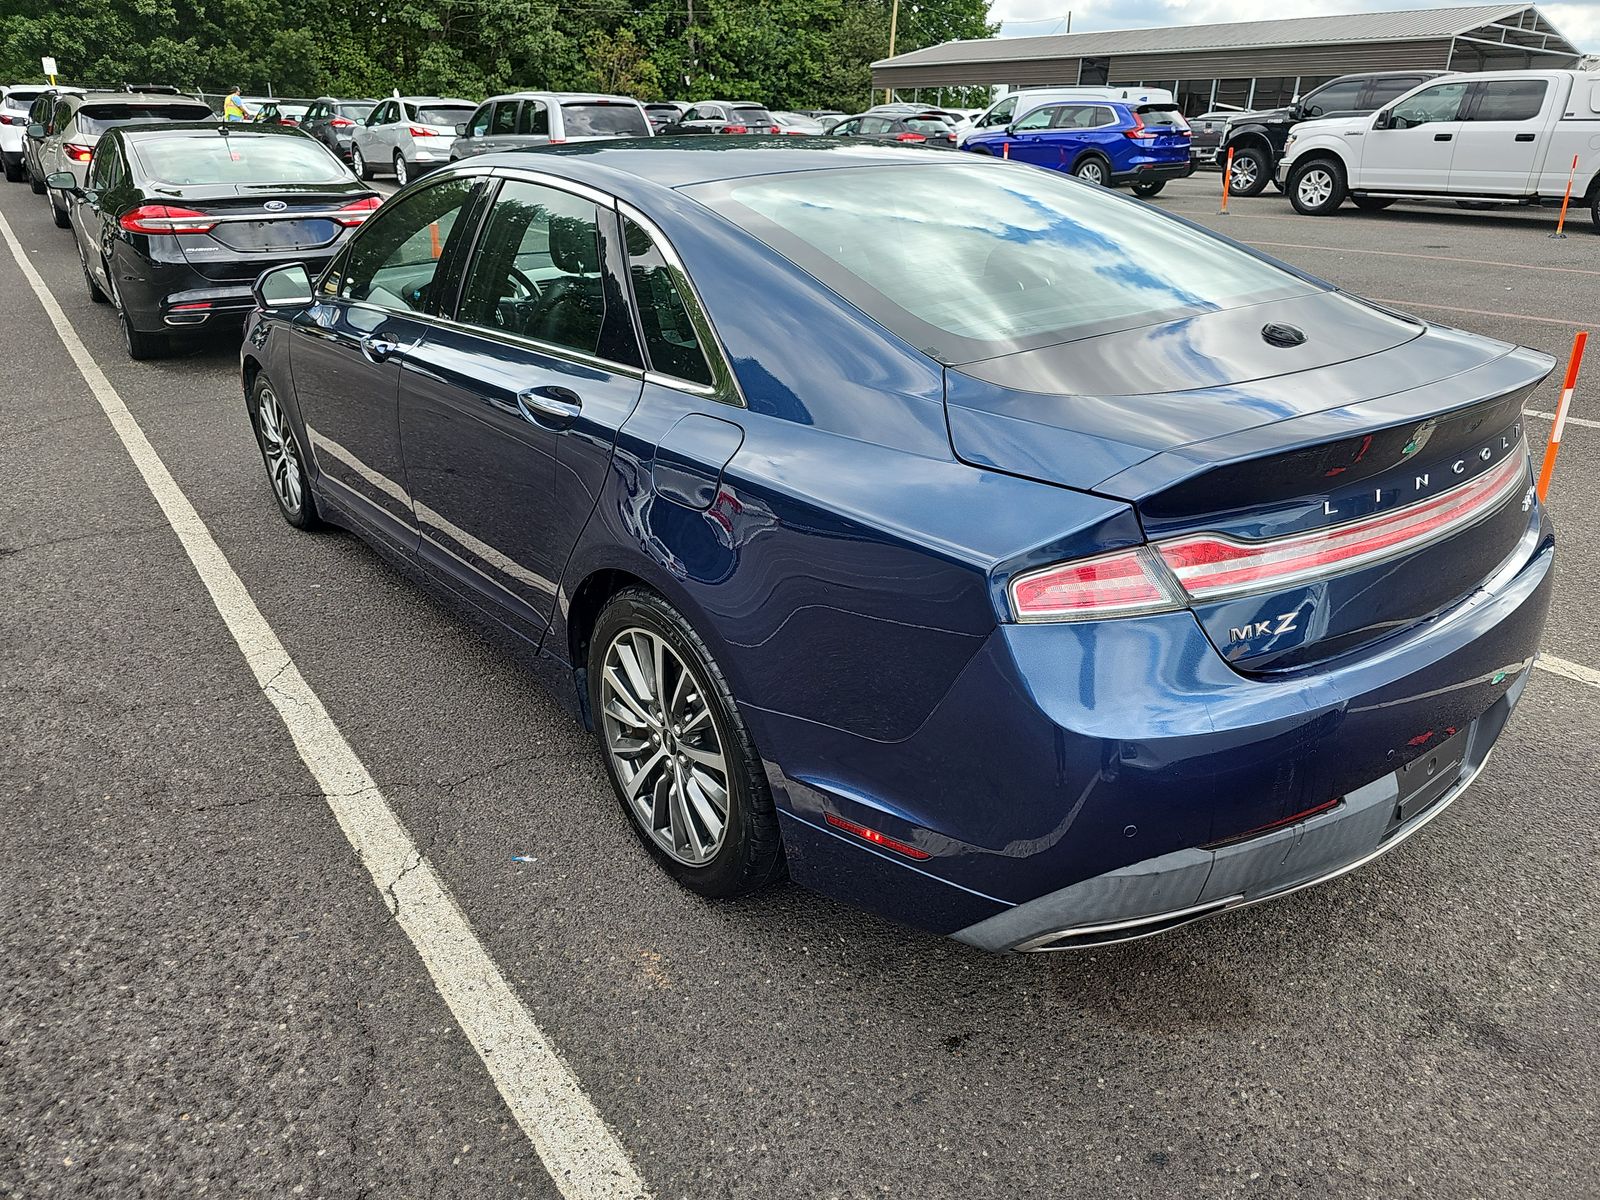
<point x="752" y="115"/>
<point x="97" y="118"/>
<point x="19" y="98"/>
<point x="968" y="261"/>
<point x="356" y="112"/>
<point x="188" y="160"/>
<point x="595" y="120"/>
<point x="1165" y="115"/>
<point x="443" y="114"/>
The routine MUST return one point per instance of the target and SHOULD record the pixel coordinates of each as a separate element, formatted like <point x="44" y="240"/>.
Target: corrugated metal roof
<point x="1408" y="25"/>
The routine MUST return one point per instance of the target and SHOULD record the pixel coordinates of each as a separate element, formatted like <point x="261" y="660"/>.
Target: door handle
<point x="1442" y="137"/>
<point x="379" y="347"/>
<point x="1525" y="137"/>
<point x="553" y="407"/>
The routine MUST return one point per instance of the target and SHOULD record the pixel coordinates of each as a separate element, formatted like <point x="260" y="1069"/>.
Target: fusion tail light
<point x="357" y="211"/>
<point x="909" y="137"/>
<point x="165" y="218"/>
<point x="1173" y="573"/>
<point x="77" y="153"/>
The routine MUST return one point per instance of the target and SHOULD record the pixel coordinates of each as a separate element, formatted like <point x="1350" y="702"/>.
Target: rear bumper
<point x="1162" y="893"/>
<point x="1150" y="171"/>
<point x="154" y="291"/>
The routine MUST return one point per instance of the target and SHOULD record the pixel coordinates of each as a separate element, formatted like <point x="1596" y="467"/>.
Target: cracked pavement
<point x="204" y="994"/>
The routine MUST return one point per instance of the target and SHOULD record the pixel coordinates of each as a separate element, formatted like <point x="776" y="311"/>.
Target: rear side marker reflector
<point x="1281" y="823"/>
<point x="876" y="838"/>
<point x="1208" y="566"/>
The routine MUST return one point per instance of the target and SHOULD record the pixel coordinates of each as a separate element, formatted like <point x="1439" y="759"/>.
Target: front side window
<point x="536" y="272"/>
<point x="1000" y="114"/>
<point x="846" y="128"/>
<point x="394" y="261"/>
<point x="669" y="334"/>
<point x="380" y="116"/>
<point x="1509" y="100"/>
<point x="968" y="262"/>
<point x="505" y="119"/>
<point x="479" y="125"/>
<point x="1438" y="103"/>
<point x="1038" y="119"/>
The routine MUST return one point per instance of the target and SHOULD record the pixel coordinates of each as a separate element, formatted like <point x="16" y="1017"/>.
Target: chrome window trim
<point x="581" y="190"/>
<point x="725" y="384"/>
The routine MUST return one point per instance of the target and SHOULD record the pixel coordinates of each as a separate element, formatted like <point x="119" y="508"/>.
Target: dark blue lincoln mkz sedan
<point x="987" y="549"/>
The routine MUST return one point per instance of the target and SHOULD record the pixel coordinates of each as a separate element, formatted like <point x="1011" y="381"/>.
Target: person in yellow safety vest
<point x="233" y="108"/>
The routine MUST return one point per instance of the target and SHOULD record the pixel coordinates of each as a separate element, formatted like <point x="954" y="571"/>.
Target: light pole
<point x="894" y="21"/>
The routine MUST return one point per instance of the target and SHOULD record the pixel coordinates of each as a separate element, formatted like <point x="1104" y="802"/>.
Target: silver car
<point x="14" y="106"/>
<point x="78" y="121"/>
<point x="521" y="119"/>
<point x="407" y="135"/>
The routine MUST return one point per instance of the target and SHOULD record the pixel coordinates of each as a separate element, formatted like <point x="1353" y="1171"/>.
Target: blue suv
<point x="1105" y="142"/>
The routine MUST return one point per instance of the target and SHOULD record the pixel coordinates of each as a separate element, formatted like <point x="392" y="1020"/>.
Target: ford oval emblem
<point x="1275" y="334"/>
<point x="274" y="206"/>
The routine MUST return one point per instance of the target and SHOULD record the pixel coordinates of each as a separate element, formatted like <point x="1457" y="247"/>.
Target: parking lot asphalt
<point x="204" y="994"/>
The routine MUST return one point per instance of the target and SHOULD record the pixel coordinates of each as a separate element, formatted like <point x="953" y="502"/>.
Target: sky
<point x="1579" y="20"/>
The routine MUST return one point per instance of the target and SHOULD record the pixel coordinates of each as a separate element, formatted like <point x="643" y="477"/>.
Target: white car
<point x="14" y="104"/>
<point x="1499" y="137"/>
<point x="407" y="135"/>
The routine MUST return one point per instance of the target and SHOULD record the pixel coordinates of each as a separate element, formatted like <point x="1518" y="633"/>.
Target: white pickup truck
<point x="1499" y="137"/>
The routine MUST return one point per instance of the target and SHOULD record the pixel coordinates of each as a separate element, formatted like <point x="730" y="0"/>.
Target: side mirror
<point x="287" y="286"/>
<point x="1381" y="121"/>
<point x="36" y="131"/>
<point x="63" y="181"/>
<point x="461" y="129"/>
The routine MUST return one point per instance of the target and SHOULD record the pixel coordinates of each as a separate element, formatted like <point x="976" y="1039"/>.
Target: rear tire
<point x="358" y="163"/>
<point x="15" y="173"/>
<point x="1250" y="172"/>
<point x="1091" y="168"/>
<point x="141" y="346"/>
<point x="747" y="852"/>
<point x="1317" y="188"/>
<point x="1372" y="203"/>
<point x="402" y="171"/>
<point x="1594" y="208"/>
<point x="1145" y="190"/>
<point x="96" y="293"/>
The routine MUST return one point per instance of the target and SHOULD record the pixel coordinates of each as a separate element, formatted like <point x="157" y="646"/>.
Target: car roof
<point x="346" y="100"/>
<point x="622" y="165"/>
<point x="563" y="97"/>
<point x="432" y="100"/>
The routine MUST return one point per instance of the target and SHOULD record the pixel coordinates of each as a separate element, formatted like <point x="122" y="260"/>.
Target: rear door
<point x="533" y="125"/>
<point x="1501" y="140"/>
<point x="373" y="309"/>
<point x="538" y="368"/>
<point x="1415" y="150"/>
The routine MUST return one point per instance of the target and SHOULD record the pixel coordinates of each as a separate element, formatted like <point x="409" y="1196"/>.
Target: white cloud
<point x="1579" y="19"/>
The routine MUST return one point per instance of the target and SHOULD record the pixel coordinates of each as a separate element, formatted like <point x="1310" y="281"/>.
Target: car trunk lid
<point x="1372" y="434"/>
<point x="257" y="225"/>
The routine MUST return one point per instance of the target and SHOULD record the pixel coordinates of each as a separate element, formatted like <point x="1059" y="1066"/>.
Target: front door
<point x="541" y="353"/>
<point x="1499" y="144"/>
<point x="1029" y="141"/>
<point x="350" y="345"/>
<point x="1414" y="152"/>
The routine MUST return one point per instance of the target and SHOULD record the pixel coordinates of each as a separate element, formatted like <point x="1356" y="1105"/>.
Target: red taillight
<point x="1120" y="584"/>
<point x="341" y="123"/>
<point x="876" y="838"/>
<point x="195" y="306"/>
<point x="1210" y="566"/>
<point x="357" y="211"/>
<point x="164" y="218"/>
<point x="422" y="131"/>
<point x="735" y="129"/>
<point x="776" y="129"/>
<point x="1138" y="132"/>
<point x="909" y="137"/>
<point x="5" y="120"/>
<point x="76" y="152"/>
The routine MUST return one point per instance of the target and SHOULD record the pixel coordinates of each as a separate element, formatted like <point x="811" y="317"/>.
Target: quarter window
<point x="669" y="336"/>
<point x="536" y="273"/>
<point x="394" y="262"/>
<point x="1509" y="100"/>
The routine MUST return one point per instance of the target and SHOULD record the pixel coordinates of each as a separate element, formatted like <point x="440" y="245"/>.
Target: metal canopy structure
<point x="1480" y="38"/>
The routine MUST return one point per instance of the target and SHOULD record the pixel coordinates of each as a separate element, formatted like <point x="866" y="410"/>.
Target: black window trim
<point x="1473" y="99"/>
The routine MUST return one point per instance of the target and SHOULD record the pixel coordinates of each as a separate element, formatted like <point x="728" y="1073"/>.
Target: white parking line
<point x="1550" y="416"/>
<point x="582" y="1155"/>
<point x="1569" y="670"/>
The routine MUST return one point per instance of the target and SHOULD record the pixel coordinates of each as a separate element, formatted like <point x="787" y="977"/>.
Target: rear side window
<point x="1335" y="98"/>
<point x="1509" y="100"/>
<point x="1044" y="260"/>
<point x="97" y="118"/>
<point x="534" y="120"/>
<point x="607" y="120"/>
<point x="1384" y="90"/>
<point x="186" y="160"/>
<point x="536" y="272"/>
<point x="669" y="336"/>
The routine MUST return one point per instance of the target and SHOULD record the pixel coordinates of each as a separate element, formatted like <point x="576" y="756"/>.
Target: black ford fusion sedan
<point x="987" y="549"/>
<point x="174" y="222"/>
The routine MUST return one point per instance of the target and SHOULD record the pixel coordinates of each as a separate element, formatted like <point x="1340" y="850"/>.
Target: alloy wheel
<point x="359" y="164"/>
<point x="279" y="449"/>
<point x="1092" y="172"/>
<point x="1242" y="174"/>
<point x="402" y="173"/>
<point x="1315" y="187"/>
<point x="658" y="730"/>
